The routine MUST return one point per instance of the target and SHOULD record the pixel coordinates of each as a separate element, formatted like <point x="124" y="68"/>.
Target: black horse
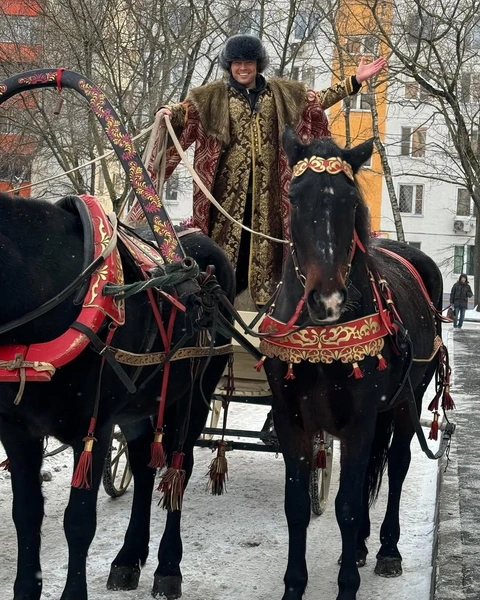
<point x="335" y="277"/>
<point x="42" y="248"/>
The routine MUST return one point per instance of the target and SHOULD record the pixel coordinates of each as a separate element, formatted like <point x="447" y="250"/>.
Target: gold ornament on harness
<point x="318" y="164"/>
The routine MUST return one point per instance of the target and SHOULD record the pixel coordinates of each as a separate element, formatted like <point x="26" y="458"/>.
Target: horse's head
<point x="325" y="205"/>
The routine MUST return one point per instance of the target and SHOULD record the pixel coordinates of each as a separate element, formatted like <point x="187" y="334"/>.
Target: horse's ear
<point x="292" y="145"/>
<point x="359" y="155"/>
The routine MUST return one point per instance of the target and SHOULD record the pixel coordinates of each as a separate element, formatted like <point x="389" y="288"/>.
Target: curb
<point x="447" y="554"/>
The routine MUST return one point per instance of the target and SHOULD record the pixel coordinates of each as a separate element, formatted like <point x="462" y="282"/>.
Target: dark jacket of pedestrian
<point x="461" y="292"/>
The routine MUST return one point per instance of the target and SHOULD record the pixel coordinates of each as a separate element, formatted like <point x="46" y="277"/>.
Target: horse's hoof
<point x="388" y="566"/>
<point x="167" y="586"/>
<point x="123" y="578"/>
<point x="361" y="558"/>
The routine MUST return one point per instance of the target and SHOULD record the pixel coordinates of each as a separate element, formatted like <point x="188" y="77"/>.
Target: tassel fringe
<point x="447" y="401"/>
<point x="259" y="365"/>
<point x="157" y="460"/>
<point x="218" y="471"/>
<point x="382" y="363"/>
<point x="82" y="478"/>
<point x="434" y="428"/>
<point x="172" y="484"/>
<point x="357" y="371"/>
<point x="290" y="374"/>
<point x="321" y="458"/>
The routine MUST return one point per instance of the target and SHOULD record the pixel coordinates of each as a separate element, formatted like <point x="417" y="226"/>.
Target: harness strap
<point x="105" y="351"/>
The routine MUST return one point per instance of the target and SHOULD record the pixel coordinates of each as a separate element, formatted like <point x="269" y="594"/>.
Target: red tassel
<point x="434" y="428"/>
<point x="172" y="484"/>
<point x="382" y="363"/>
<point x="83" y="473"/>
<point x="321" y="458"/>
<point x="157" y="460"/>
<point x="218" y="471"/>
<point x="290" y="374"/>
<point x="259" y="364"/>
<point x="5" y="465"/>
<point x="447" y="401"/>
<point x="434" y="403"/>
<point x="357" y="371"/>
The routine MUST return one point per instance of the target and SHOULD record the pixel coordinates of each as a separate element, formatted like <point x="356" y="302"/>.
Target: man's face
<point x="244" y="71"/>
<point x="463" y="279"/>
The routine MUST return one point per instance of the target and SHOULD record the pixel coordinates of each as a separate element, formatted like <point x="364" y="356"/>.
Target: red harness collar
<point x="38" y="362"/>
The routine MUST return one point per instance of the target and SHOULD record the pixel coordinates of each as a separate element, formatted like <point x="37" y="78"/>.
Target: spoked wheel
<point x="117" y="474"/>
<point x="320" y="478"/>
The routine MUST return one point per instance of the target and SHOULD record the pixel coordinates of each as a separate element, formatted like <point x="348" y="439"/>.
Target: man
<point x="459" y="295"/>
<point x="236" y="124"/>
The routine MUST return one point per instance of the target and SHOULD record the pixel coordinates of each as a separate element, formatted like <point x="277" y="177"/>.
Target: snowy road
<point x="235" y="546"/>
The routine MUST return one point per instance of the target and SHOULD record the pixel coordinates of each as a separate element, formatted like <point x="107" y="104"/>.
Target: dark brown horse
<point x="348" y="366"/>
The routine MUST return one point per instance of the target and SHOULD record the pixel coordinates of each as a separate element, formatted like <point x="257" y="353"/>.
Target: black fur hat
<point x="243" y="47"/>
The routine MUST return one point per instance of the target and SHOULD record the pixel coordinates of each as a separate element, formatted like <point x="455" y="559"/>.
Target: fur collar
<point x="211" y="103"/>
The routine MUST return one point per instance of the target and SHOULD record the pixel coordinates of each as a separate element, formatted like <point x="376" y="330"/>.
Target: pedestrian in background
<point x="461" y="292"/>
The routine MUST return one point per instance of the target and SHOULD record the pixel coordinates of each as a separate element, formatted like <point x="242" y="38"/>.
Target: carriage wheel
<point x="117" y="474"/>
<point x="320" y="478"/>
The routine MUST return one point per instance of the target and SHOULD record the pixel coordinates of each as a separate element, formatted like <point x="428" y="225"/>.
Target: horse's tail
<point x="379" y="454"/>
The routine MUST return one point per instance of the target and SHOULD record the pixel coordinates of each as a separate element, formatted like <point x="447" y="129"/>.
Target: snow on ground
<point x="235" y="546"/>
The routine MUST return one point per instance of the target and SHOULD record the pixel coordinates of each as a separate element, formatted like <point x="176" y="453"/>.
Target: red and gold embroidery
<point x="319" y="164"/>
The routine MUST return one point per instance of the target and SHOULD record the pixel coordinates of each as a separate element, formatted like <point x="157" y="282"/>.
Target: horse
<point x="359" y="336"/>
<point x="43" y="250"/>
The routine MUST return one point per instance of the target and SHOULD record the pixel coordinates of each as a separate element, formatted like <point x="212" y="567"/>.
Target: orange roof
<point x="27" y="8"/>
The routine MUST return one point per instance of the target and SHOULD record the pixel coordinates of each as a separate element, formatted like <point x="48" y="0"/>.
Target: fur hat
<point x="243" y="47"/>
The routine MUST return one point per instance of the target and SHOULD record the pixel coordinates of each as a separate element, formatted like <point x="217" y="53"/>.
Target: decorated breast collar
<point x="346" y="342"/>
<point x="333" y="166"/>
<point x="38" y="362"/>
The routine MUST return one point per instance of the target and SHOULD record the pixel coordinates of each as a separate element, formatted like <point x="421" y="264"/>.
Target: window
<point x="250" y="22"/>
<point x="410" y="199"/>
<point x="419" y="27"/>
<point x="475" y="37"/>
<point x="295" y="73"/>
<point x="305" y="24"/>
<point x="15" y="168"/>
<point x="463" y="202"/>
<point x="361" y="101"/>
<point x="413" y="143"/>
<point x="414" y="91"/>
<point x="17" y="29"/>
<point x="416" y="245"/>
<point x="475" y="141"/>
<point x="361" y="44"/>
<point x="308" y="76"/>
<point x="171" y="189"/>
<point x="463" y="259"/>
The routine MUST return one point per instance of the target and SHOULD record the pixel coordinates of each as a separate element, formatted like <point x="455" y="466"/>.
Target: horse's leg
<point x="167" y="581"/>
<point x="25" y="456"/>
<point x="389" y="559"/>
<point x="373" y="478"/>
<point x="125" y="569"/>
<point x="80" y="519"/>
<point x="349" y="508"/>
<point x="296" y="447"/>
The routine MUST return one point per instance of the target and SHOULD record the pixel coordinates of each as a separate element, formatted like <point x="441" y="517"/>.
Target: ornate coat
<point x="237" y="151"/>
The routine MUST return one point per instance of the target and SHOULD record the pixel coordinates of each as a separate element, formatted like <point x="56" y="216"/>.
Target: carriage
<point x="338" y="355"/>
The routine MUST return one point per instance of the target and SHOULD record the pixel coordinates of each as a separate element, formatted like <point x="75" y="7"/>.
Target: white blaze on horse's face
<point x="324" y="200"/>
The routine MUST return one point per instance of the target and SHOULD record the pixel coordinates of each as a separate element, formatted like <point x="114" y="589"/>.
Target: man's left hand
<point x="365" y="70"/>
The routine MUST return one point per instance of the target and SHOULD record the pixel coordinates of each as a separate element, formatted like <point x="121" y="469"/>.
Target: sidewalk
<point x="457" y="564"/>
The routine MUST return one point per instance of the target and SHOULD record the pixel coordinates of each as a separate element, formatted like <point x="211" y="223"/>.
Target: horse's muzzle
<point x="326" y="309"/>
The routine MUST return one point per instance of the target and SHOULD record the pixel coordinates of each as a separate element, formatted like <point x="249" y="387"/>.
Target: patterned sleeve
<point x="336" y="92"/>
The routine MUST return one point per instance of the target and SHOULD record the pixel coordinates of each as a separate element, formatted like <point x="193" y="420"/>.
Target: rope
<point x="90" y="162"/>
<point x="175" y="273"/>
<point x="161" y="162"/>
